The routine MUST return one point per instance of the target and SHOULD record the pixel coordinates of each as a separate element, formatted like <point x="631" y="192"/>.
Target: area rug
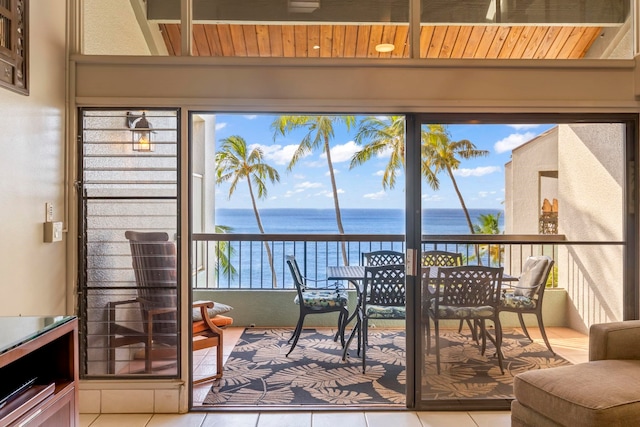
<point x="258" y="373"/>
<point x="465" y="373"/>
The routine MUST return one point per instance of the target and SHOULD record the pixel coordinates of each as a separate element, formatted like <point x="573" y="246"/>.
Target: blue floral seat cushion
<point x="454" y="312"/>
<point x="518" y="301"/>
<point x="321" y="299"/>
<point x="385" y="312"/>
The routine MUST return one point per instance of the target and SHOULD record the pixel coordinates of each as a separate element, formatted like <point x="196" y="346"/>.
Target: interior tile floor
<point x="570" y="344"/>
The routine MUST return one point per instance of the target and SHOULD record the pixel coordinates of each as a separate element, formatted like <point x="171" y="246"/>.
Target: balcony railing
<point x="241" y="261"/>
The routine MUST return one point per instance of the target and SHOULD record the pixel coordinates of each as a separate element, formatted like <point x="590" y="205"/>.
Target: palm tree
<point x="489" y="224"/>
<point x="320" y="131"/>
<point x="387" y="134"/>
<point x="223" y="253"/>
<point x="235" y="163"/>
<point x="445" y="154"/>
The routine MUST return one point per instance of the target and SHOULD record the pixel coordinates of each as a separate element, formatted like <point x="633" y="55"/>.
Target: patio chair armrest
<point x="615" y="340"/>
<point x="203" y="304"/>
<point x="114" y="304"/>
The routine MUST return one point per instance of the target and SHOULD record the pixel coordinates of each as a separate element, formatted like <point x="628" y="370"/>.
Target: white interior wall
<point x="32" y="168"/>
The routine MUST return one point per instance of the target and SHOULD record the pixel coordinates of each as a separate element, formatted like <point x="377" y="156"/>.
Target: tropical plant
<point x="236" y="163"/>
<point x="320" y="131"/>
<point x="489" y="224"/>
<point x="223" y="253"/>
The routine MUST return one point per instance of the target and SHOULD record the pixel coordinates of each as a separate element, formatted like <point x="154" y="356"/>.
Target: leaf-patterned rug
<point x="465" y="373"/>
<point x="258" y="373"/>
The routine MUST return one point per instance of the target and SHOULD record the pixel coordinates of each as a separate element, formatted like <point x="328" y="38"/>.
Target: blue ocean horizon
<point x="355" y="221"/>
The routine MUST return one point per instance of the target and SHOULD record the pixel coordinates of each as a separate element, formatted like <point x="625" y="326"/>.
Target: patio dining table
<point x="354" y="274"/>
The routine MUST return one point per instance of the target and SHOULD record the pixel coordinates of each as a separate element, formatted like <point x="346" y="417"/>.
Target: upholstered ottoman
<point x="602" y="392"/>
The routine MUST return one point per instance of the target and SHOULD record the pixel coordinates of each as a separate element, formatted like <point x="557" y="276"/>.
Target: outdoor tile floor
<point x="568" y="343"/>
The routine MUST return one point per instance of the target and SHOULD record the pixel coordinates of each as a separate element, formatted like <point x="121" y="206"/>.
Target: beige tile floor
<point x="568" y="343"/>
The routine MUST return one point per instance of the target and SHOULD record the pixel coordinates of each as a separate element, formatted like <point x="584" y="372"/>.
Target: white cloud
<point x="379" y="173"/>
<point x="328" y="193"/>
<point x="512" y="141"/>
<point x="251" y="117"/>
<point x="524" y="127"/>
<point x="335" y="172"/>
<point x="486" y="193"/>
<point x="432" y="198"/>
<point x="277" y="153"/>
<point x="479" y="171"/>
<point x="342" y="153"/>
<point x="306" y="185"/>
<point x="376" y="196"/>
<point x="221" y="126"/>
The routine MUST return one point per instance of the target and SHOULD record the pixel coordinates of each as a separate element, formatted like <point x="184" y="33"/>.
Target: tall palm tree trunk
<point x="274" y="279"/>
<point x="466" y="212"/>
<point x="336" y="204"/>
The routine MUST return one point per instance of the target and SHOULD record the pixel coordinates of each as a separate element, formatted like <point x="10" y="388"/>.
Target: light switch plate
<point x="52" y="232"/>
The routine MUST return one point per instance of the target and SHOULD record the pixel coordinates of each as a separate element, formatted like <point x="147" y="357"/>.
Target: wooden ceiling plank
<point x="313" y="41"/>
<point x="474" y="41"/>
<point x="572" y="39"/>
<point x="451" y="35"/>
<point x="350" y="41"/>
<point x="288" y="41"/>
<point x="559" y="42"/>
<point x="337" y="48"/>
<point x="167" y="39"/>
<point x="275" y="41"/>
<point x="461" y="41"/>
<point x="426" y="33"/>
<point x="326" y="41"/>
<point x="173" y="32"/>
<point x="523" y="42"/>
<point x="485" y="42"/>
<point x="200" y="43"/>
<point x="237" y="39"/>
<point x="437" y="40"/>
<point x="510" y="42"/>
<point x="300" y="34"/>
<point x="226" y="41"/>
<point x="250" y="40"/>
<point x="362" y="45"/>
<point x="537" y="38"/>
<point x="264" y="44"/>
<point x="498" y="42"/>
<point x="589" y="35"/>
<point x="400" y="42"/>
<point x="545" y="45"/>
<point x="211" y="32"/>
<point x="375" y="38"/>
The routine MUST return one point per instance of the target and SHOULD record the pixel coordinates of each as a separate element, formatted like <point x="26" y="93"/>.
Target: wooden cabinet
<point x="44" y="351"/>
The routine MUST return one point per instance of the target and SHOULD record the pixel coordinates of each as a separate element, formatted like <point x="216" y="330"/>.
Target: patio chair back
<point x="382" y="257"/>
<point x="441" y="259"/>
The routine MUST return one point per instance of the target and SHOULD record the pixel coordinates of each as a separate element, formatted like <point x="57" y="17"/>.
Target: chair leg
<point x="428" y="334"/>
<point x="524" y="327"/>
<point x="365" y="331"/>
<point x="543" y="332"/>
<point x="436" y="328"/>
<point x="496" y="322"/>
<point x="296" y="333"/>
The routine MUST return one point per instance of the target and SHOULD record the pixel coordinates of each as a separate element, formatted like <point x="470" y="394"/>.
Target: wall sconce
<point x="140" y="132"/>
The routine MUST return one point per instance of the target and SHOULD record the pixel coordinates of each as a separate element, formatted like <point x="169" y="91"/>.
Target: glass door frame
<point x="413" y="209"/>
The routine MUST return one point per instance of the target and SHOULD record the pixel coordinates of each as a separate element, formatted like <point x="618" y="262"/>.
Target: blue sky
<point x="481" y="180"/>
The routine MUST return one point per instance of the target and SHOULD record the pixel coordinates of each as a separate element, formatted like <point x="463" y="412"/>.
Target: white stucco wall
<point x="110" y="28"/>
<point x="591" y="168"/>
<point x="32" y="173"/>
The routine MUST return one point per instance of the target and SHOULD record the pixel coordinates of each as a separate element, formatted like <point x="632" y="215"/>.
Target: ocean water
<point x="251" y="263"/>
<point x="355" y="221"/>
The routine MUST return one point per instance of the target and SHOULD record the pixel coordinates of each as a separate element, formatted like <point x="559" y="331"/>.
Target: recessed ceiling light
<point x="316" y="47"/>
<point x="385" y="47"/>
